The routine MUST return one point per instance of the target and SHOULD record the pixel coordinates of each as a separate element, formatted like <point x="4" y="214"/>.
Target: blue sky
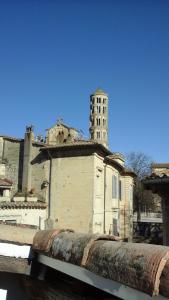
<point x="55" y="53"/>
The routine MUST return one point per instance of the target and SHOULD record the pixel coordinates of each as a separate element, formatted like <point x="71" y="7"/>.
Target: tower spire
<point x="99" y="117"/>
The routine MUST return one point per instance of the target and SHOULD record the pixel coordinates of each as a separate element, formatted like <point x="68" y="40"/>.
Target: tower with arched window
<point x="99" y="117"/>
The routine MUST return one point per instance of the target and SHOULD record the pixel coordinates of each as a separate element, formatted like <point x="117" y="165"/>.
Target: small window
<point x="104" y="135"/>
<point x="104" y="122"/>
<point x="98" y="121"/>
<point x="99" y="100"/>
<point x="10" y="221"/>
<point x="104" y="109"/>
<point x="98" y="134"/>
<point x="99" y="109"/>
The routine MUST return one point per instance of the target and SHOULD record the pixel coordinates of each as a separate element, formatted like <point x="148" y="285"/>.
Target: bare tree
<point x="140" y="163"/>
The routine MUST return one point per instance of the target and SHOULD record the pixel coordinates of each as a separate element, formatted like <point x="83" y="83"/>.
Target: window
<point x="10" y="222"/>
<point x="99" y="100"/>
<point x="115" y="227"/>
<point x="104" y="109"/>
<point x="120" y="190"/>
<point x="104" y="101"/>
<point x="98" y="121"/>
<point x="99" y="109"/>
<point x="98" y="134"/>
<point x="114" y="187"/>
<point x="104" y="135"/>
<point x="93" y="100"/>
<point x="104" y="122"/>
<point x="131" y="194"/>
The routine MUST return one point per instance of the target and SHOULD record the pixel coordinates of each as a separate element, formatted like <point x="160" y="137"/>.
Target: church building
<point x="66" y="181"/>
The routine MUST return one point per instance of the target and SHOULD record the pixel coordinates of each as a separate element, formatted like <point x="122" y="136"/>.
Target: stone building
<point x="66" y="181"/>
<point x="158" y="183"/>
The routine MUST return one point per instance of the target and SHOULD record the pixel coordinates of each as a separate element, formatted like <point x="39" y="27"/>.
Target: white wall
<point x="28" y="216"/>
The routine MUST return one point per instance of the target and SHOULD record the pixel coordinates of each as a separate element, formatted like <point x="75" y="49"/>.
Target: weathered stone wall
<point x="126" y="208"/>
<point x="13" y="157"/>
<point x="72" y="192"/>
<point x="112" y="204"/>
<point x="98" y="195"/>
<point x="39" y="171"/>
<point x="60" y="133"/>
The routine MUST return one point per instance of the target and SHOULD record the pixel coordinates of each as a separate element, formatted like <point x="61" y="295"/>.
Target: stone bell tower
<point x="99" y="117"/>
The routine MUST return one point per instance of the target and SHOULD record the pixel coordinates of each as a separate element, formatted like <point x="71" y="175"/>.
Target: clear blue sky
<point x="55" y="53"/>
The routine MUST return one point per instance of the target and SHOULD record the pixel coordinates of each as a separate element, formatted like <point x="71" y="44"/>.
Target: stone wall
<point x="13" y="158"/>
<point x="72" y="192"/>
<point x="39" y="171"/>
<point x="126" y="208"/>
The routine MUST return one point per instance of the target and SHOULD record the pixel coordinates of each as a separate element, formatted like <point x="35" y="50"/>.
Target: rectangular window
<point x="120" y="190"/>
<point x="131" y="194"/>
<point x="104" y="109"/>
<point x="98" y="121"/>
<point x="114" y="187"/>
<point x="98" y="134"/>
<point x="99" y="109"/>
<point x="104" y="122"/>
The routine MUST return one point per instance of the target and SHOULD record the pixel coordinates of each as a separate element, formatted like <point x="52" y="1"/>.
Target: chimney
<point x="26" y="180"/>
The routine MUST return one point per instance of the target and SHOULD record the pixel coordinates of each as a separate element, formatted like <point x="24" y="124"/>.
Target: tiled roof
<point x="5" y="182"/>
<point x="154" y="176"/>
<point x="156" y="182"/>
<point x="160" y="165"/>
<point x="77" y="144"/>
<point x="22" y="204"/>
